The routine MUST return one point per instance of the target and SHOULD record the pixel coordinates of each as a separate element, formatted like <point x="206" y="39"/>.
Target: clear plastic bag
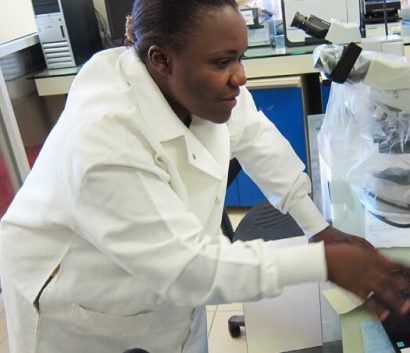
<point x="365" y="137"/>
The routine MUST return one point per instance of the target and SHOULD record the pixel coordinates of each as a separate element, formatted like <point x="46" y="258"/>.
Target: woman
<point x="113" y="241"/>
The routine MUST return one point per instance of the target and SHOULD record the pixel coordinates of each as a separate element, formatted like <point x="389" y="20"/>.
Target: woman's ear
<point x="159" y="60"/>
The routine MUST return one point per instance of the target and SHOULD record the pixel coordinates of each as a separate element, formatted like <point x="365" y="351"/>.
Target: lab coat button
<point x="193" y="156"/>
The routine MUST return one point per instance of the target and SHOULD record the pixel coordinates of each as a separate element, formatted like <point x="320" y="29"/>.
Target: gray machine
<point x="365" y="137"/>
<point x="68" y="31"/>
<point x="381" y="16"/>
<point x="368" y="124"/>
<point x="259" y="18"/>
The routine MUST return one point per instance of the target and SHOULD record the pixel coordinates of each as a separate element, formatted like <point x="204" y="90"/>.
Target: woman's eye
<point x="223" y="63"/>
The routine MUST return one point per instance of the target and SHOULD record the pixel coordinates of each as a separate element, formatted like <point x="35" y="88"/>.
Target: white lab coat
<point x="113" y="240"/>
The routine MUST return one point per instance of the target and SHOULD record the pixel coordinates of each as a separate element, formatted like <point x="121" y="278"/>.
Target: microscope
<point x="339" y="32"/>
<point x="335" y="31"/>
<point x="365" y="137"/>
<point x="368" y="117"/>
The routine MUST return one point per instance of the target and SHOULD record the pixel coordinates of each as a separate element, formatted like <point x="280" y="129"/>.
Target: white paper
<point x="383" y="235"/>
<point x="341" y="300"/>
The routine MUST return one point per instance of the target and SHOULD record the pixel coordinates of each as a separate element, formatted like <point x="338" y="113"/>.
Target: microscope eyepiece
<point x="313" y="26"/>
<point x="299" y="21"/>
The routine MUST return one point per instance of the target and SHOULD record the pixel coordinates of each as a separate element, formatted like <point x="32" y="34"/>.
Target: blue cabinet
<point x="232" y="194"/>
<point x="284" y="107"/>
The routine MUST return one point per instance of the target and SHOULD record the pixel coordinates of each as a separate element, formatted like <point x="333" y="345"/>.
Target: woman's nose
<point x="238" y="77"/>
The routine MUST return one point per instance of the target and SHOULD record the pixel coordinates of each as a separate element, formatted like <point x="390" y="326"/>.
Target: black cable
<point x="386" y="28"/>
<point x="389" y="222"/>
<point x="405" y="207"/>
<point x="384" y="219"/>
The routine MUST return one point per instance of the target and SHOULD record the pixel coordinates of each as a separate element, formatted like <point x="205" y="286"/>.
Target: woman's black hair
<point x="168" y="23"/>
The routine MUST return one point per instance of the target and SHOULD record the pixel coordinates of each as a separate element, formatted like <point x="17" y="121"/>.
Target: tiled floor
<point x="219" y="339"/>
<point x="217" y="315"/>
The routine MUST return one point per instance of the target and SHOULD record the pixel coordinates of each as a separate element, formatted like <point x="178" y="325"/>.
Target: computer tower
<point x="68" y="31"/>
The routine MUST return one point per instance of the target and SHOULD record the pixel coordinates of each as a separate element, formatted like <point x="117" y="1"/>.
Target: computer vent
<point x="58" y="55"/>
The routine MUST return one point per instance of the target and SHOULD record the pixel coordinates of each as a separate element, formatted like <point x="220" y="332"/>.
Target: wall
<point x="16" y="19"/>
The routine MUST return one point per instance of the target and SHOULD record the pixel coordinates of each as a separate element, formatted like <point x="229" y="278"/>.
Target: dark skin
<point x="348" y="254"/>
<point x="204" y="79"/>
<point x="205" y="76"/>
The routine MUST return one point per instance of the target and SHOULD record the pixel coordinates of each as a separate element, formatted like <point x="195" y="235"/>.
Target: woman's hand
<point x="371" y="276"/>
<point x="332" y="235"/>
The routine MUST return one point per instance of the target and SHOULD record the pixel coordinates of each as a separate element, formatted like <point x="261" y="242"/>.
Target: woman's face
<point x="207" y="72"/>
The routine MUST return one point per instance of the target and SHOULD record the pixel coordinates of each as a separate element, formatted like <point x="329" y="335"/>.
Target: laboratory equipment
<point x="259" y="17"/>
<point x="365" y="138"/>
<point x="347" y="11"/>
<point x="339" y="32"/>
<point x="68" y="31"/>
<point x="382" y="17"/>
<point x="335" y="31"/>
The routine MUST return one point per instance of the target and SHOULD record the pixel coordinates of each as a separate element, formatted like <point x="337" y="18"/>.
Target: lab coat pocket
<point x="91" y="322"/>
